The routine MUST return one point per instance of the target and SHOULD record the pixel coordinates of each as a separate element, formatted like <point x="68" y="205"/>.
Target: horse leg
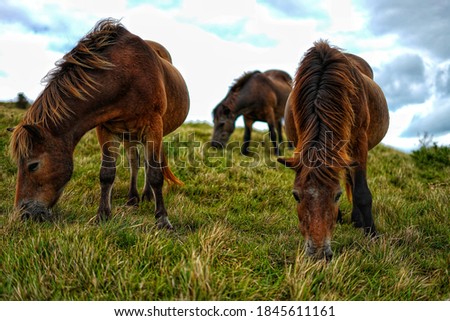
<point x="247" y="135"/>
<point x="362" y="198"/>
<point x="362" y="203"/>
<point x="109" y="146"/>
<point x="273" y="138"/>
<point x="153" y="172"/>
<point x="280" y="132"/>
<point x="147" y="194"/>
<point x="133" y="160"/>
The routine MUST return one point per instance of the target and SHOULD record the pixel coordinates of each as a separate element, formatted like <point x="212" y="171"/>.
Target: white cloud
<point x="211" y="42"/>
<point x="24" y="61"/>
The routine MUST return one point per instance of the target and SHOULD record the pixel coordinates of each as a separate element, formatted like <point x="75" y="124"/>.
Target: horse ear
<point x="289" y="162"/>
<point x="34" y="131"/>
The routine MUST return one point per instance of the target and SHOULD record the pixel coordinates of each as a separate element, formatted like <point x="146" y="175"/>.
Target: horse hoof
<point x="133" y="201"/>
<point x="103" y="215"/>
<point x="164" y="223"/>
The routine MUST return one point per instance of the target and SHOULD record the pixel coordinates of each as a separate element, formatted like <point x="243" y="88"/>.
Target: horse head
<point x="224" y="124"/>
<point x="44" y="164"/>
<point x="317" y="208"/>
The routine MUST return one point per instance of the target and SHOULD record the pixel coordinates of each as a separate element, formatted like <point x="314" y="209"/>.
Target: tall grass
<point x="235" y="237"/>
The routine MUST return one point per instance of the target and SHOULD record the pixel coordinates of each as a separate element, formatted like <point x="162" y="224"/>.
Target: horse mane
<point x="235" y="87"/>
<point x="324" y="89"/>
<point x="242" y="80"/>
<point x="69" y="79"/>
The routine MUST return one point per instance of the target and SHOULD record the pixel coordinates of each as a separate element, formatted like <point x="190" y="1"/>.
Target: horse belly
<point x="121" y="128"/>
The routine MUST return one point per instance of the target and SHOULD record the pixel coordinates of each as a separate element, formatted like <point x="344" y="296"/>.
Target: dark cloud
<point x="419" y="24"/>
<point x="298" y="9"/>
<point x="423" y="26"/>
<point x="403" y="81"/>
<point x="436" y="123"/>
<point x="443" y="81"/>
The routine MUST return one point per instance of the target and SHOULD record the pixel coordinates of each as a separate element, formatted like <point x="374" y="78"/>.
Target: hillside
<point x="235" y="238"/>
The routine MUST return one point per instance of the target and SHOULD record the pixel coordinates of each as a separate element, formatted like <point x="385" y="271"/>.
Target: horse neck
<point x="84" y="117"/>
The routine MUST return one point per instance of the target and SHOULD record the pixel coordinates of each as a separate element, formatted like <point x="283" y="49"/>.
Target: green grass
<point x="236" y="235"/>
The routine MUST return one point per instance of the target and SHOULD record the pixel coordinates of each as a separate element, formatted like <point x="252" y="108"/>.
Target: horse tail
<point x="168" y="175"/>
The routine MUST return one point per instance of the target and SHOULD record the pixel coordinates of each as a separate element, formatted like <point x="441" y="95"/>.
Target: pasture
<point x="235" y="237"/>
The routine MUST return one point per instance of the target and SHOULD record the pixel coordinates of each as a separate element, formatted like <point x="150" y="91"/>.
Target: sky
<point x="407" y="43"/>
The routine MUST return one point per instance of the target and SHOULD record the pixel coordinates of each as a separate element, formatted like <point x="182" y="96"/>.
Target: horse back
<point x="360" y="64"/>
<point x="143" y="85"/>
<point x="160" y="50"/>
<point x="281" y="84"/>
<point x="376" y="116"/>
<point x="370" y="109"/>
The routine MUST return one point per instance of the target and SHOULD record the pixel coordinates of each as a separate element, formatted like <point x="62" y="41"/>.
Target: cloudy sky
<point x="407" y="42"/>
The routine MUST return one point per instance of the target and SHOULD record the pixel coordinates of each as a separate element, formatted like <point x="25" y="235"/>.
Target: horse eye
<point x="338" y="196"/>
<point x="296" y="196"/>
<point x="33" y="166"/>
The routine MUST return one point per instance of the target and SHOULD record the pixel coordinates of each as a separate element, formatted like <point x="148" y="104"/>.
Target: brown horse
<point x="258" y="97"/>
<point x="112" y="81"/>
<point x="335" y="114"/>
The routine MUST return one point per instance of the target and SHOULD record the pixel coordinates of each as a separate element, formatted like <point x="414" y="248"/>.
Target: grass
<point x="236" y="235"/>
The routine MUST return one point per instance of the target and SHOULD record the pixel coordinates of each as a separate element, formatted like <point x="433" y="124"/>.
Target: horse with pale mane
<point x="128" y="90"/>
<point x="334" y="115"/>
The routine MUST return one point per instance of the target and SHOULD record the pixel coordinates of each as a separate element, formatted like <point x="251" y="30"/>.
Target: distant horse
<point x="112" y="81"/>
<point x="335" y="114"/>
<point x="258" y="97"/>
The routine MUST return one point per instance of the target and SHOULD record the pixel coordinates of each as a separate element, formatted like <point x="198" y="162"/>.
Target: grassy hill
<point x="236" y="235"/>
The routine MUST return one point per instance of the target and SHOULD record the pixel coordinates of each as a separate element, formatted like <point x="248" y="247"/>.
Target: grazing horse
<point x="335" y="114"/>
<point x="258" y="97"/>
<point x="117" y="83"/>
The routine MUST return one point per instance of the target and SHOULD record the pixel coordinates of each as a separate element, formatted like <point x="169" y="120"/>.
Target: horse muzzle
<point x="319" y="252"/>
<point x="217" y="144"/>
<point x="34" y="210"/>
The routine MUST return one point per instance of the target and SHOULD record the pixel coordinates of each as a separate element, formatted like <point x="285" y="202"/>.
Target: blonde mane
<point x="69" y="79"/>
<point x="323" y="92"/>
